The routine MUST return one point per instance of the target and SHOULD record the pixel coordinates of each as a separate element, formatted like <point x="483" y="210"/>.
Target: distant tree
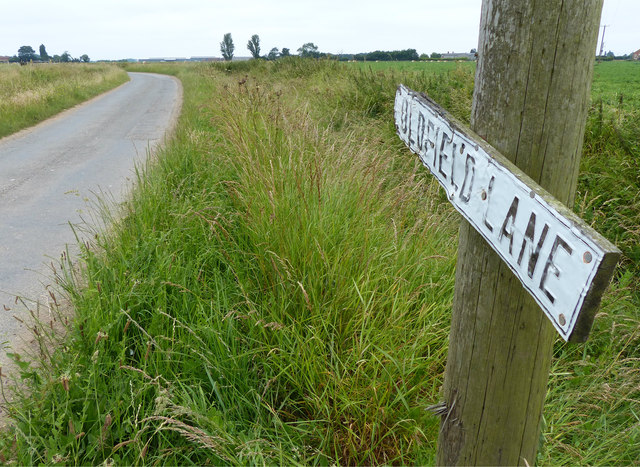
<point x="285" y="52"/>
<point x="56" y="58"/>
<point x="610" y="54"/>
<point x="65" y="57"/>
<point x="392" y="55"/>
<point x="43" y="53"/>
<point x="273" y="54"/>
<point x="407" y="54"/>
<point x="309" y="50"/>
<point x="26" y="54"/>
<point x="473" y="51"/>
<point x="254" y="46"/>
<point x="227" y="47"/>
<point x="379" y="55"/>
<point x="84" y="58"/>
<point x="436" y="55"/>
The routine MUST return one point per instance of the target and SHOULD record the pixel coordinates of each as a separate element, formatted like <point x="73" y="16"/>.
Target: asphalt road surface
<point x="50" y="175"/>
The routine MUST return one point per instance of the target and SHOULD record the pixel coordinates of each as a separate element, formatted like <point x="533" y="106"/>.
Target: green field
<point x="614" y="79"/>
<point x="426" y="66"/>
<point x="278" y="288"/>
<point x="32" y="93"/>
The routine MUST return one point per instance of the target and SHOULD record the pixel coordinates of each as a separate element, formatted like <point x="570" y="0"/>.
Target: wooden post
<point x="530" y="101"/>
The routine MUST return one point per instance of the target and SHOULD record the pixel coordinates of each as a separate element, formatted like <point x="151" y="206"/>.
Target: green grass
<point x="278" y="291"/>
<point x="609" y="184"/>
<point x="616" y="78"/>
<point x="32" y="93"/>
<point x="593" y="405"/>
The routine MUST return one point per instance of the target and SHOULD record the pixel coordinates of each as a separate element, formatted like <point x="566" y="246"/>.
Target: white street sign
<point x="563" y="263"/>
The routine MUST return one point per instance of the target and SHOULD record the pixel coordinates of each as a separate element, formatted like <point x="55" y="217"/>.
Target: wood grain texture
<point x="530" y="101"/>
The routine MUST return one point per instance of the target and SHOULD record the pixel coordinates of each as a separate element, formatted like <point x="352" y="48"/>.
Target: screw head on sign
<point x="483" y="195"/>
<point x="587" y="257"/>
<point x="562" y="319"/>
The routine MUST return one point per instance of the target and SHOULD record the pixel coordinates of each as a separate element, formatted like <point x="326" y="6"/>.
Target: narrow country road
<point x="48" y="172"/>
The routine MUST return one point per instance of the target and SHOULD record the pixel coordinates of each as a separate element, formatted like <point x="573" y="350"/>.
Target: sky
<point x="118" y="29"/>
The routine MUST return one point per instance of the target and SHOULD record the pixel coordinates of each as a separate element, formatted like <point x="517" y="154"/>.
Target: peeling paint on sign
<point x="563" y="263"/>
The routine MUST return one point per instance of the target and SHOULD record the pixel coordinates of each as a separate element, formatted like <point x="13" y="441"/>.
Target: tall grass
<point x="609" y="190"/>
<point x="32" y="93"/>
<point x="269" y="296"/>
<point x="277" y="291"/>
<point x="593" y="414"/>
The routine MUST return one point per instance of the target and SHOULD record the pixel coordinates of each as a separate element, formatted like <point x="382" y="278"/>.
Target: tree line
<point x="27" y="54"/>
<point x="310" y="50"/>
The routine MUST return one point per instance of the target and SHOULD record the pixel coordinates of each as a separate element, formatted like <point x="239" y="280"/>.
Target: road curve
<point x="48" y="172"/>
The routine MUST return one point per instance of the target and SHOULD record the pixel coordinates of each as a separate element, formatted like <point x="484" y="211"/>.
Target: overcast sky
<point x="116" y="29"/>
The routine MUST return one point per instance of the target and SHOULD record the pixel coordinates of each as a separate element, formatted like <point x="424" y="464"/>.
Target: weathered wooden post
<point x="526" y="263"/>
<point x="535" y="61"/>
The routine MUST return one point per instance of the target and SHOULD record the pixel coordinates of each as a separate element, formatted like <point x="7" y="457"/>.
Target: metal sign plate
<point x="563" y="263"/>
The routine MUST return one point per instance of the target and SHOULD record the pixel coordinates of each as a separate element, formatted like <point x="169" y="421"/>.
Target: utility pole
<point x="604" y="29"/>
<point x="531" y="96"/>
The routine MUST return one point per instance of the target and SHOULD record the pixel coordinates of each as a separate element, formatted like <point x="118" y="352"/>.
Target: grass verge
<point x="30" y="94"/>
